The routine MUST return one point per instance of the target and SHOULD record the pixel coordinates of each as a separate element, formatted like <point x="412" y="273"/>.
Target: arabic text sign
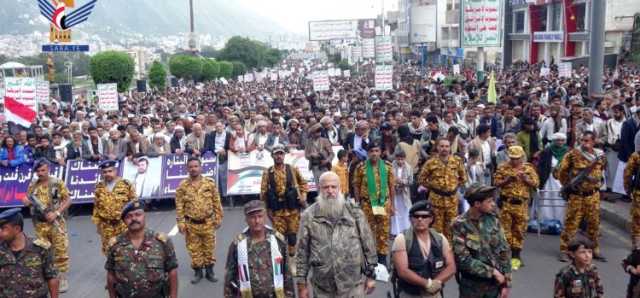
<point x="550" y="36"/>
<point x="108" y="97"/>
<point x="42" y="92"/>
<point x="384" y="49"/>
<point x="14" y="182"/>
<point x="368" y="48"/>
<point x="564" y="69"/>
<point x="328" y="30"/>
<point x="23" y="90"/>
<point x="384" y="77"/>
<point x="175" y="170"/>
<point x="321" y="80"/>
<point x="481" y="23"/>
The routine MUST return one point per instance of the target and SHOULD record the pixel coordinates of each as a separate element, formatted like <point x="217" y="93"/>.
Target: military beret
<point x="253" y="206"/>
<point x="10" y="215"/>
<point x="479" y="192"/>
<point x="107" y="164"/>
<point x="39" y="163"/>
<point x="421" y="206"/>
<point x="131" y="206"/>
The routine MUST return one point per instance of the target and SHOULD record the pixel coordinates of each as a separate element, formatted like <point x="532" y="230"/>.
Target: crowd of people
<point x="543" y="146"/>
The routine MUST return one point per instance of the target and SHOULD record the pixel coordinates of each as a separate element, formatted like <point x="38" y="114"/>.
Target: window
<point x="445" y="34"/>
<point x="580" y="10"/>
<point x="556" y="17"/>
<point x="542" y="16"/>
<point x="518" y="21"/>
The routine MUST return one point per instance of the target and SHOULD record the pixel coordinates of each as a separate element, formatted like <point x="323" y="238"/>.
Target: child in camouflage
<point x="631" y="266"/>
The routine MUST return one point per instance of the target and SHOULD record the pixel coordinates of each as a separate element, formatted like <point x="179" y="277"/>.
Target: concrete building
<point x="556" y="30"/>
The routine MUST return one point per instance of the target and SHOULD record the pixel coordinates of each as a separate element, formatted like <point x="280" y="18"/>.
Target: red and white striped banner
<point x="18" y="112"/>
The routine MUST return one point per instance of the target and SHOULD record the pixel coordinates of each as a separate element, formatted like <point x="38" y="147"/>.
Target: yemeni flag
<point x="18" y="112"/>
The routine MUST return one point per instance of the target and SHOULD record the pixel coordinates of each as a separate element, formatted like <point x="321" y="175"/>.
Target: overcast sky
<point x="295" y="14"/>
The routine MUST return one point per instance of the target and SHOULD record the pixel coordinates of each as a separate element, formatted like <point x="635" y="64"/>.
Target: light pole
<point x="596" y="47"/>
<point x="192" y="37"/>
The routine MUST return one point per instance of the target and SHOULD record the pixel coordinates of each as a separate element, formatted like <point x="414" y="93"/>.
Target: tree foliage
<point x="238" y="68"/>
<point x="210" y="69"/>
<point x="209" y="52"/>
<point x="186" y="67"/>
<point x="113" y="67"/>
<point x="157" y="76"/>
<point x="253" y="54"/>
<point x="226" y="69"/>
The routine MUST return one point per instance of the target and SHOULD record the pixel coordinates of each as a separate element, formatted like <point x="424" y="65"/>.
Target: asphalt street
<point x="535" y="280"/>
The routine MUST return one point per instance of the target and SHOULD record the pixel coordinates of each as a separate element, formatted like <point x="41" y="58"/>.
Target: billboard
<point x="481" y="23"/>
<point x="341" y="29"/>
<point x="423" y="22"/>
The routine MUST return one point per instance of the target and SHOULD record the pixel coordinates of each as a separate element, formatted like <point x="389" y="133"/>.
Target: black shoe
<point x="209" y="275"/>
<point x="599" y="257"/>
<point x="197" y="276"/>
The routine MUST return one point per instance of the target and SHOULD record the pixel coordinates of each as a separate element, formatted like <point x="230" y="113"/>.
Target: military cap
<point x="278" y="148"/>
<point x="421" y="206"/>
<point x="479" y="192"/>
<point x="107" y="164"/>
<point x="131" y="206"/>
<point x="515" y="152"/>
<point x="10" y="215"/>
<point x="253" y="206"/>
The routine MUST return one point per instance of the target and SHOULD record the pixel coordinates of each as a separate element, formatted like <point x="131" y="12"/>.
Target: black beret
<point x="131" y="206"/>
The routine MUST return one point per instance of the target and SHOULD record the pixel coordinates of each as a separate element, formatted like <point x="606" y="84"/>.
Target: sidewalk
<point x="617" y="214"/>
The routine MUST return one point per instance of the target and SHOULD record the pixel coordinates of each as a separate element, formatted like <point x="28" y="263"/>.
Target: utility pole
<point x="596" y="47"/>
<point x="192" y="34"/>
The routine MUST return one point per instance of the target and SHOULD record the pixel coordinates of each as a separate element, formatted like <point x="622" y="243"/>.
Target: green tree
<point x="157" y="76"/>
<point x="226" y="69"/>
<point x="238" y="68"/>
<point x="272" y="57"/>
<point x="112" y="67"/>
<point x="186" y="67"/>
<point x="343" y="64"/>
<point x="210" y="69"/>
<point x="209" y="52"/>
<point x="244" y="50"/>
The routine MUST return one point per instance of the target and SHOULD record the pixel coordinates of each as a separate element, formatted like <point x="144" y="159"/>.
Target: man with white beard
<point x="342" y="265"/>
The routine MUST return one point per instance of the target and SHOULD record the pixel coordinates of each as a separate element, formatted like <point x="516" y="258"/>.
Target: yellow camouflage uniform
<point x="285" y="221"/>
<point x="443" y="181"/>
<point x="379" y="223"/>
<point x="56" y="234"/>
<point x="584" y="204"/>
<point x="107" y="208"/>
<point x="199" y="213"/>
<point x="514" y="196"/>
<point x="633" y="165"/>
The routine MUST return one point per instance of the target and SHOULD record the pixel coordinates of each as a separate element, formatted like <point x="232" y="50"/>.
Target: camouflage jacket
<point x="335" y="252"/>
<point x="629" y="171"/>
<point x="360" y="181"/>
<point x="443" y="177"/>
<point x="141" y="272"/>
<point x="260" y="268"/>
<point x="108" y="205"/>
<point x="573" y="163"/>
<point x="198" y="202"/>
<point x="280" y="177"/>
<point x="51" y="195"/>
<point x="516" y="188"/>
<point x="480" y="246"/>
<point x="26" y="273"/>
<point x="570" y="283"/>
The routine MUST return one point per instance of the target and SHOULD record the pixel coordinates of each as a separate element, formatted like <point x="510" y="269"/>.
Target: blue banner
<point x="14" y="182"/>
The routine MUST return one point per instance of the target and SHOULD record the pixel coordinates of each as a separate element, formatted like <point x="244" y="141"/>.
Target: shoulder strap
<point x="408" y="239"/>
<point x="290" y="182"/>
<point x="436" y="238"/>
<point x="272" y="179"/>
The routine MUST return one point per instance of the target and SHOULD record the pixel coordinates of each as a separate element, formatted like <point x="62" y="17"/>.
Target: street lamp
<point x="192" y="37"/>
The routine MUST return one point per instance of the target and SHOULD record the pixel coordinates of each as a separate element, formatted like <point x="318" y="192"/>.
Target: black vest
<point x="289" y="200"/>
<point x="428" y="268"/>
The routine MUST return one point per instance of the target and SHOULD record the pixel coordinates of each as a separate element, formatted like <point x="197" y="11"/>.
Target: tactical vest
<point x="426" y="268"/>
<point x="289" y="200"/>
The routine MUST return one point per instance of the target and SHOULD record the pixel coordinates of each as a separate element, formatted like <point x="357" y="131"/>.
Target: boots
<point x="64" y="283"/>
<point x="197" y="276"/>
<point x="516" y="262"/>
<point x="209" y="273"/>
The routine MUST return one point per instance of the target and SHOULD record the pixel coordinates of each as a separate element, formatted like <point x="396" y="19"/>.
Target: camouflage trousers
<point x="287" y="222"/>
<point x="379" y="226"/>
<point x="108" y="230"/>
<point x="635" y="216"/>
<point x="478" y="289"/>
<point x="514" y="219"/>
<point x="355" y="292"/>
<point x="201" y="243"/>
<point x="59" y="240"/>
<point x="445" y="210"/>
<point x="579" y="208"/>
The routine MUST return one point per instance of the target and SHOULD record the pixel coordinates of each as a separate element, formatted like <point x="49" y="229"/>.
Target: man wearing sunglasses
<point x="422" y="258"/>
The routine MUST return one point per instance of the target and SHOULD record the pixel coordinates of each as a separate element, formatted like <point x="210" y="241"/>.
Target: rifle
<point x="571" y="187"/>
<point x="42" y="211"/>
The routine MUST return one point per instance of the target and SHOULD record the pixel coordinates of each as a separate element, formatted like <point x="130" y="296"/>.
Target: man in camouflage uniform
<point x="374" y="186"/>
<point x="443" y="175"/>
<point x="516" y="180"/>
<point x="111" y="194"/>
<point x="140" y="262"/>
<point x="26" y="265"/>
<point x="481" y="250"/>
<point x="199" y="214"/>
<point x="584" y="199"/>
<point x="51" y="200"/>
<point x="335" y="246"/>
<point x="579" y="279"/>
<point x="268" y="275"/>
<point x="632" y="187"/>
<point x="284" y="191"/>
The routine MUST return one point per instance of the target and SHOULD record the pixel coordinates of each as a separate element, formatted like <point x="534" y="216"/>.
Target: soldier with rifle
<point x="632" y="187"/>
<point x="581" y="172"/>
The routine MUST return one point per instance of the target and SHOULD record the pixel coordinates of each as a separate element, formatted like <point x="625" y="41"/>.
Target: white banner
<point x="107" y="97"/>
<point x="564" y="69"/>
<point x="544" y="71"/>
<point x="356" y="54"/>
<point x="22" y="90"/>
<point x="368" y="48"/>
<point x="42" y="92"/>
<point x="423" y="18"/>
<point x="346" y="73"/>
<point x="248" y="77"/>
<point x="456" y="69"/>
<point x="328" y="30"/>
<point x="321" y="80"/>
<point x="384" y="77"/>
<point x="384" y="49"/>
<point x="481" y="23"/>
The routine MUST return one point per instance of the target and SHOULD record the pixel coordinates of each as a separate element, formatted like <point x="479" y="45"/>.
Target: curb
<point x="618" y="217"/>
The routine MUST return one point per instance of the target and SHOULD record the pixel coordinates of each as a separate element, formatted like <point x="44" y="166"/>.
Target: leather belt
<point x="584" y="193"/>
<point x="442" y="192"/>
<point x="111" y="221"/>
<point x="514" y="200"/>
<point x="196" y="221"/>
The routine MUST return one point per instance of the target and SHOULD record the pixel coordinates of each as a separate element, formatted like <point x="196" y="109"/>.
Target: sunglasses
<point x="421" y="216"/>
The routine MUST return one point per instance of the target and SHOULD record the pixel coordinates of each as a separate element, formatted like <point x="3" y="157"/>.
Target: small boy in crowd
<point x="579" y="279"/>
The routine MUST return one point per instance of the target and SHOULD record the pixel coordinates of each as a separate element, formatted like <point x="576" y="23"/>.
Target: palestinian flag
<point x="18" y="112"/>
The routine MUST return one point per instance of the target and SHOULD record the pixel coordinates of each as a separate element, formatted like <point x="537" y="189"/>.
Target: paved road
<point x="535" y="280"/>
